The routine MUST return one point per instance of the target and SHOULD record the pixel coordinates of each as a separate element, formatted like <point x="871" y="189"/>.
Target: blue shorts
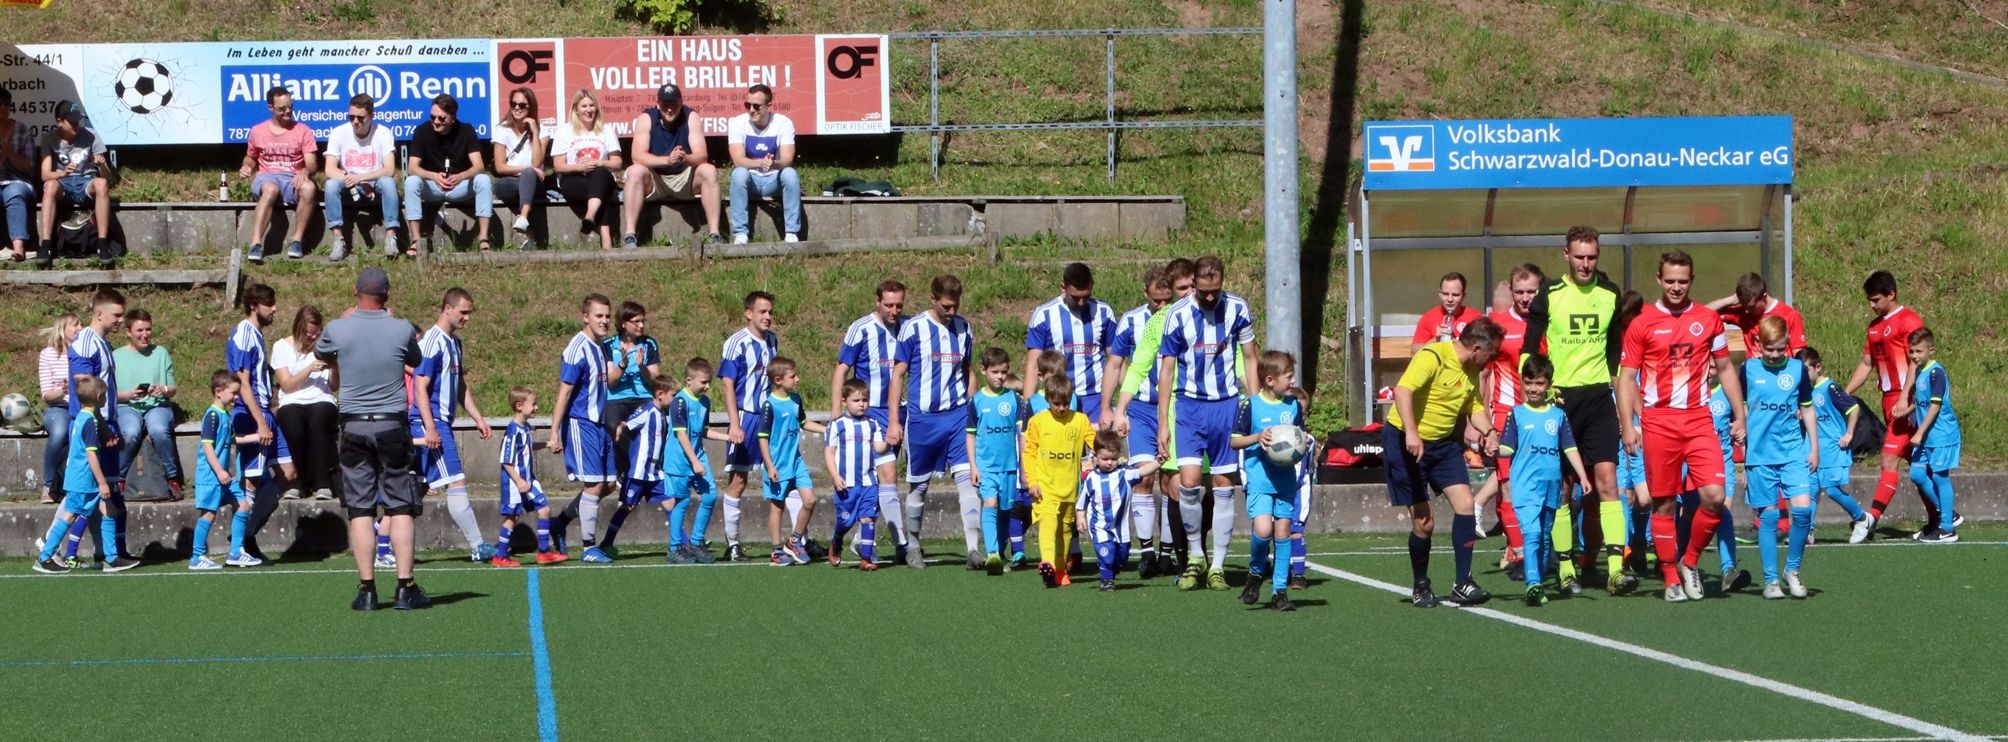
<point x="1002" y="485"/>
<point x="1937" y="458"/>
<point x="589" y="453"/>
<point x="744" y="456"/>
<point x="1546" y="493"/>
<point x="213" y="497"/>
<point x="1767" y="482"/>
<point x="636" y="489"/>
<point x="856" y="504"/>
<point x="76" y="189"/>
<point x="680" y="486"/>
<point x="1832" y="476"/>
<point x="936" y="443"/>
<point x="80" y="503"/>
<point x="1263" y="503"/>
<point x="789" y="483"/>
<point x="517" y="503"/>
<point x="442" y="464"/>
<point x="254" y="458"/>
<point x="1409" y="480"/>
<point x="1090" y="405"/>
<point x="1143" y="434"/>
<point x="1204" y="430"/>
<point x="1631" y="471"/>
<point x="289" y="194"/>
<point x="880" y="416"/>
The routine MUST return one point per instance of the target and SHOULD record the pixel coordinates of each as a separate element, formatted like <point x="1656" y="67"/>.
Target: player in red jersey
<point x="1751" y="304"/>
<point x="1447" y="319"/>
<point x="1663" y="376"/>
<point x="1887" y="353"/>
<point x="1500" y="387"/>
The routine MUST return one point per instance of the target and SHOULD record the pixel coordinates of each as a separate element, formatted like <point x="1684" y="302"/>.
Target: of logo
<point x="1401" y="149"/>
<point x="372" y="81"/>
<point x="522" y="66"/>
<point x="846" y="62"/>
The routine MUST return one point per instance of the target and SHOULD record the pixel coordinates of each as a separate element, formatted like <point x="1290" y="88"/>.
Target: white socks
<point x="1143" y="516"/>
<point x="1223" y="525"/>
<point x="589" y="516"/>
<point x="890" y="513"/>
<point x="1190" y="509"/>
<point x="794" y="505"/>
<point x="463" y="514"/>
<point x="916" y="499"/>
<point x="972" y="511"/>
<point x="731" y="518"/>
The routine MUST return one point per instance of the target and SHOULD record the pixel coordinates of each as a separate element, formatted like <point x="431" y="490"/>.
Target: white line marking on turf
<point x="1786" y="689"/>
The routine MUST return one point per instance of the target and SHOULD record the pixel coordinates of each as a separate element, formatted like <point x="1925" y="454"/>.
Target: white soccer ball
<point x="1287" y="445"/>
<point x="14" y="408"/>
<point x="144" y="86"/>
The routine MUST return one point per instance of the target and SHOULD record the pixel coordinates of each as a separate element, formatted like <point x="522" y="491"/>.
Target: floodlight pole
<point x="1283" y="284"/>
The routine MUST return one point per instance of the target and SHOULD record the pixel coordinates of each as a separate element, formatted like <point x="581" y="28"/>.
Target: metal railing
<point x="935" y="129"/>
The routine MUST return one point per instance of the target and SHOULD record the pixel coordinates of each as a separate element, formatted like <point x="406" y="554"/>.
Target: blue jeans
<point x="159" y="428"/>
<point x="56" y="453"/>
<point x="748" y="185"/>
<point x="15" y="195"/>
<point x="418" y="192"/>
<point x="335" y="201"/>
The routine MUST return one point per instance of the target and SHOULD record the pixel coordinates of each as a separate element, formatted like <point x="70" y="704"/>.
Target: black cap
<point x="70" y="111"/>
<point x="669" y="98"/>
<point x="373" y="282"/>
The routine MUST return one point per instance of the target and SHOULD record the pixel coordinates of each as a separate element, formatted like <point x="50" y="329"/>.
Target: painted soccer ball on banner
<point x="144" y="86"/>
<point x="13" y="408"/>
<point x="1287" y="445"/>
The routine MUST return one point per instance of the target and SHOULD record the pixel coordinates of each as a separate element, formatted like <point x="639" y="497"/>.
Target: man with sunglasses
<point x="281" y="153"/>
<point x="670" y="163"/>
<point x="444" y="164"/>
<point x="361" y="166"/>
<point x="762" y="144"/>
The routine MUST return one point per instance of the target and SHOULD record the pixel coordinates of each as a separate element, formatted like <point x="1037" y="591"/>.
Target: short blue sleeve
<point x="1842" y="401"/>
<point x="1123" y="343"/>
<point x="1244" y="417"/>
<point x="1105" y="325"/>
<point x="651" y="353"/>
<point x="1568" y="437"/>
<point x="1936" y="384"/>
<point x="575" y="372"/>
<point x="679" y="416"/>
<point x="909" y="348"/>
<point x="1805" y="393"/>
<point x="90" y="433"/>
<point x="1039" y="336"/>
<point x="211" y="425"/>
<point x="1509" y="438"/>
<point x="847" y="354"/>
<point x="1173" y="342"/>
<point x="765" y="426"/>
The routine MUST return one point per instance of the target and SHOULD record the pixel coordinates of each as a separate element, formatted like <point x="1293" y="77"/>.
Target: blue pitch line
<point x="547" y="699"/>
<point x="211" y="660"/>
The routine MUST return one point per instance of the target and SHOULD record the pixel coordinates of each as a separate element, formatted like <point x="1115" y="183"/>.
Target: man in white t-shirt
<point x="762" y="143"/>
<point x="361" y="174"/>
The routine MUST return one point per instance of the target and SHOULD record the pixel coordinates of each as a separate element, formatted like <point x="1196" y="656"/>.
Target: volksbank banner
<point x="1576" y="153"/>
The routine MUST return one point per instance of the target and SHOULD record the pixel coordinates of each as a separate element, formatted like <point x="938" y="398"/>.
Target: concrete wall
<point x="216" y="227"/>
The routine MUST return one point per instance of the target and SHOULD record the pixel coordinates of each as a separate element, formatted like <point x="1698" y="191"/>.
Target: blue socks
<point x="614" y="526"/>
<point x="1017" y="525"/>
<point x="1296" y="550"/>
<point x="1942" y="482"/>
<point x="1767" y="541"/>
<point x="1279" y="567"/>
<point x="677" y="515"/>
<point x="199" y="545"/>
<point x="1463" y="535"/>
<point x="109" y="543"/>
<point x="59" y="532"/>
<point x="1802" y="526"/>
<point x="701" y="525"/>
<point x="867" y="542"/>
<point x="1532" y="549"/>
<point x="240" y="525"/>
<point x="383" y="545"/>
<point x="502" y="541"/>
<point x="990" y="529"/>
<point x="1841" y="498"/>
<point x="1258" y="555"/>
<point x="669" y="522"/>
<point x="1105" y="559"/>
<point x="1725" y="538"/>
<point x="543" y="534"/>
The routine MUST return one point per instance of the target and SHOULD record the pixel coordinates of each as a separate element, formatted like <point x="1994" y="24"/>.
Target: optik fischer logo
<point x="372" y="81"/>
<point x="1401" y="149"/>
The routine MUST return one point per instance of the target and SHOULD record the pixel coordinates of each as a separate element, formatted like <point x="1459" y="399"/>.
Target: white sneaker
<point x="790" y="237"/>
<point x="242" y="559"/>
<point x="203" y="564"/>
<point x="1957" y="521"/>
<point x="387" y="561"/>
<point x="324" y="494"/>
<point x="291" y="494"/>
<point x="389" y="245"/>
<point x="1793" y="585"/>
<point x="1772" y="591"/>
<point x="1863" y="528"/>
<point x="1690" y="582"/>
<point x="739" y="238"/>
<point x="521" y="225"/>
<point x="1674" y="594"/>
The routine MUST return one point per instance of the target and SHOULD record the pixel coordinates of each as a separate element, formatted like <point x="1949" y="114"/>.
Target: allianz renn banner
<point x="212" y="93"/>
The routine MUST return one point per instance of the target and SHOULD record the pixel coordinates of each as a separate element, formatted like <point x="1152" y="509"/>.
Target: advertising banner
<point x="1577" y="153"/>
<point x="825" y="84"/>
<point x="39" y="76"/>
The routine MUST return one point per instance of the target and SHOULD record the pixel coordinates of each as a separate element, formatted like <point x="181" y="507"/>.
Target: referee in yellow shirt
<point x="1056" y="441"/>
<point x="1422" y="451"/>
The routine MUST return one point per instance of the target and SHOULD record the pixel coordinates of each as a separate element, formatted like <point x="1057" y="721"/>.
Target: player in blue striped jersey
<point x="1307" y="481"/>
<point x="646" y="433"/>
<point x="686" y="465"/>
<point x="867" y="355"/>
<point x="743" y="372"/>
<point x="1780" y="451"/>
<point x="996" y="424"/>
<point x="1202" y="335"/>
<point x="851" y="449"/>
<point x="439" y="388"/>
<point x="1937" y="442"/>
<point x="1101" y="509"/>
<point x="787" y="487"/>
<point x="520" y="490"/>
<point x="1133" y="411"/>
<point x="1077" y="327"/>
<point x="1536" y="440"/>
<point x="577" y="429"/>
<point x="931" y="377"/>
<point x="91" y="356"/>
<point x="1837" y="412"/>
<point x="1271" y="497"/>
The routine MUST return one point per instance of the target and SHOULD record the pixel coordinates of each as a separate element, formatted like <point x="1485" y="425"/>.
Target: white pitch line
<point x="1885" y="716"/>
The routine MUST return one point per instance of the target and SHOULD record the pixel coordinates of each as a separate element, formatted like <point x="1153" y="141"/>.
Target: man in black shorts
<point x="1576" y="314"/>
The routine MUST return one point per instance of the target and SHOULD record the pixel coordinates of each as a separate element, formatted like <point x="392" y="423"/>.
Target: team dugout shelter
<point x="1479" y="197"/>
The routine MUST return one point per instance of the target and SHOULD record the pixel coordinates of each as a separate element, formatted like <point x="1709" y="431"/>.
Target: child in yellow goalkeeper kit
<point x="1056" y="444"/>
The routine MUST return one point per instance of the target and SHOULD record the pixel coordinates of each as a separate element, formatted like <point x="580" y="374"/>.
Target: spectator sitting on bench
<point x="762" y="144"/>
<point x="586" y="154"/>
<point x="362" y="168"/>
<point x="669" y="163"/>
<point x="17" y="168"/>
<point x="445" y="165"/>
<point x="73" y="172"/>
<point x="519" y="159"/>
<point x="146" y="394"/>
<point x="283" y="153"/>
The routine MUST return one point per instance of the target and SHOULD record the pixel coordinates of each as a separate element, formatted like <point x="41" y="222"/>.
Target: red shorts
<point x="1677" y="437"/>
<point x="1896" y="438"/>
<point x="1499" y="425"/>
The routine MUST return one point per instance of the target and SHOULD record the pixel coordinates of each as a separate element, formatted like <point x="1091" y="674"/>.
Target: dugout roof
<point x="1479" y="197"/>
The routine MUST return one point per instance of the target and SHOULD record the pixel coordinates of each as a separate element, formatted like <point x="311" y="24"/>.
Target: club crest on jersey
<point x="1787" y="380"/>
<point x="1004" y="407"/>
<point x="1695" y="329"/>
<point x="1552" y="427"/>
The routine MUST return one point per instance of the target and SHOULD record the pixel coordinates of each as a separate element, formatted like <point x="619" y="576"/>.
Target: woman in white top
<point x="306" y="408"/>
<point x="519" y="159"/>
<point x="586" y="155"/>
<point x="53" y="372"/>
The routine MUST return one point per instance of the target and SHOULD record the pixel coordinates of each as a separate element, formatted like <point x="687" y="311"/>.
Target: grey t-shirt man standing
<point x="370" y="349"/>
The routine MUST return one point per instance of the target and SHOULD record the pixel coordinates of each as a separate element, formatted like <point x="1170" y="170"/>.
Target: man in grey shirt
<point x="370" y="350"/>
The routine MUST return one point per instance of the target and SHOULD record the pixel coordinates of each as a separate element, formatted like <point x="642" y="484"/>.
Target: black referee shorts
<point x="1593" y="418"/>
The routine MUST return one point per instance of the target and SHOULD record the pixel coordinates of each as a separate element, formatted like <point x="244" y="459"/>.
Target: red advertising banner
<point x="825" y="84"/>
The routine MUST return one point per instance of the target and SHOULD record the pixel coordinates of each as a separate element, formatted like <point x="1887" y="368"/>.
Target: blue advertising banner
<point x="1578" y="153"/>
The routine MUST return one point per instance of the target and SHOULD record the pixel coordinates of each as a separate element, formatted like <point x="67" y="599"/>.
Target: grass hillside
<point x="1898" y="167"/>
